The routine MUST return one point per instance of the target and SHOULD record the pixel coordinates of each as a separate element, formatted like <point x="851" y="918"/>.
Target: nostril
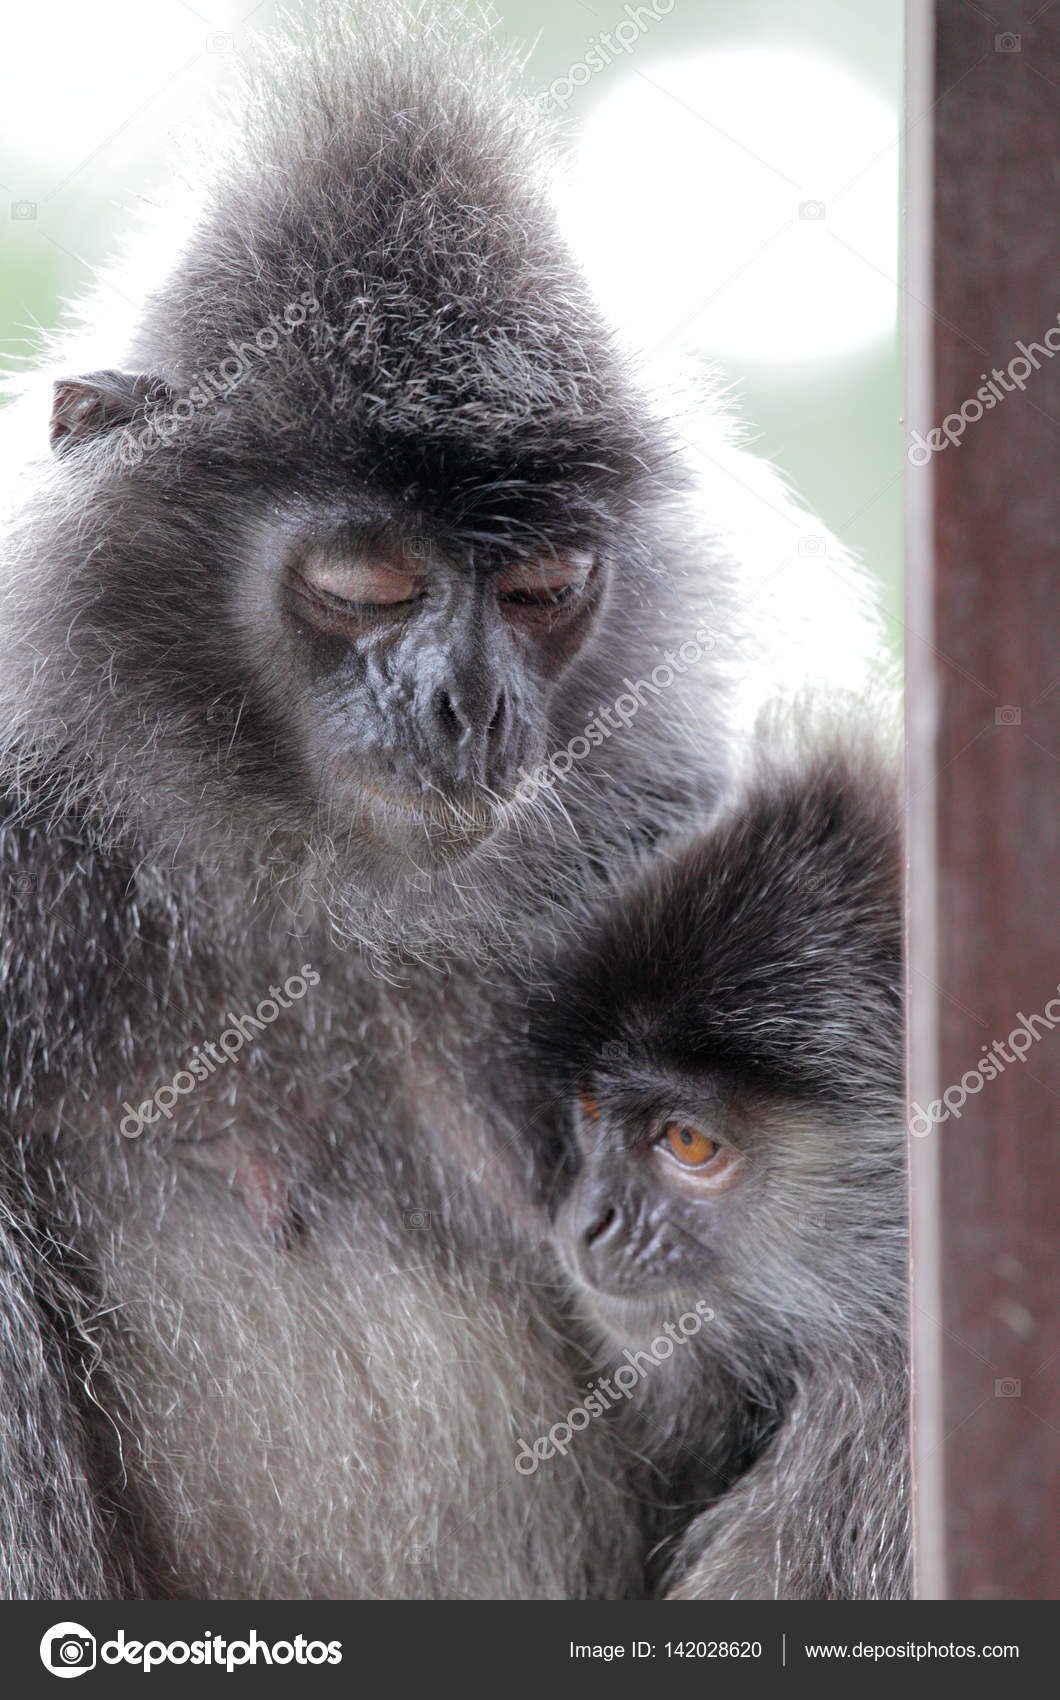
<point x="601" y="1225"/>
<point x="449" y="717"/>
<point x="497" y="720"/>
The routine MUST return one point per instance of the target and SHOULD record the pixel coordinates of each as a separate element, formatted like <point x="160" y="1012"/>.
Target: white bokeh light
<point x="80" y="78"/>
<point x="691" y="202"/>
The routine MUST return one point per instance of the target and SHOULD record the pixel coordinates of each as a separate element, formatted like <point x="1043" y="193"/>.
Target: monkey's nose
<point x="457" y="716"/>
<point x="471" y="730"/>
<point x="603" y="1223"/>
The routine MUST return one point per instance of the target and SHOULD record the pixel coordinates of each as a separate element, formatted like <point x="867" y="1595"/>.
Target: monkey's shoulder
<point x="96" y="949"/>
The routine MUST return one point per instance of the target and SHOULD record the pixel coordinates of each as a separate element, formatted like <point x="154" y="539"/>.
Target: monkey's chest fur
<point x="323" y="1327"/>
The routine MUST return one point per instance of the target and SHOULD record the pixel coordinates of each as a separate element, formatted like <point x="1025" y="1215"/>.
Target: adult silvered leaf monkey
<point x="359" y="615"/>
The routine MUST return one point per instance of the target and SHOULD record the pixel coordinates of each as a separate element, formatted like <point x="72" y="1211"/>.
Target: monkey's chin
<point x="403" y="885"/>
<point x="424" y="847"/>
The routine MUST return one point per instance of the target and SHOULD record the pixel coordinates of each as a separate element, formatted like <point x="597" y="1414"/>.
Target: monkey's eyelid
<point x="542" y="597"/>
<point x="364" y="585"/>
<point x="545" y="578"/>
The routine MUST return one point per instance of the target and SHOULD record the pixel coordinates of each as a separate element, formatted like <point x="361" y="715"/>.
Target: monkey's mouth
<point x="623" y="1295"/>
<point x="442" y="825"/>
<point x="627" y="1316"/>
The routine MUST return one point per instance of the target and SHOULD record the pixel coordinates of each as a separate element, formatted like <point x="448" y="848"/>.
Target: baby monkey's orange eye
<point x="691" y="1148"/>
<point x="589" y="1104"/>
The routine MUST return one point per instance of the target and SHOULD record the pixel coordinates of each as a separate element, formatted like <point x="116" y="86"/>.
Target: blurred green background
<point x="732" y="189"/>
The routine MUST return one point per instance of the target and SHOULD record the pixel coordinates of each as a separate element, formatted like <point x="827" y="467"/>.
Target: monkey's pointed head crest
<point x="393" y="179"/>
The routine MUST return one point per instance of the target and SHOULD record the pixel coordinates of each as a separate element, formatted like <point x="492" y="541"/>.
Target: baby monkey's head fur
<point x="724" y="1051"/>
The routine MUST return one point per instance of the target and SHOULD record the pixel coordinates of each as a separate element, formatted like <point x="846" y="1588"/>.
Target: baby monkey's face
<point x="653" y="1192"/>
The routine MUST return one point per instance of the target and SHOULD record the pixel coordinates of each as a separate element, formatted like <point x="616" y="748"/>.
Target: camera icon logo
<point x="812" y="210"/>
<point x="68" y="1649"/>
<point x="1008" y="1387"/>
<point x="814" y="547"/>
<point x="24" y="211"/>
<point x="222" y="714"/>
<point x="1007" y="716"/>
<point x="1006" y="42"/>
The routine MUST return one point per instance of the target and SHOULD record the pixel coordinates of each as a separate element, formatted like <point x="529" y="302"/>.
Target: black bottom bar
<point x="599" y="1648"/>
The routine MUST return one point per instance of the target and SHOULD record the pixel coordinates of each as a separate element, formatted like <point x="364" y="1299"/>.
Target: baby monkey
<point x="726" y="1052"/>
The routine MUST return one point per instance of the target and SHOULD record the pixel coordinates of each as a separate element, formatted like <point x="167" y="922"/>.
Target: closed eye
<point x="367" y="586"/>
<point x="544" y="586"/>
<point x="539" y="596"/>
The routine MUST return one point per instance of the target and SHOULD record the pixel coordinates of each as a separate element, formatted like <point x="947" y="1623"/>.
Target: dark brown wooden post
<point x="983" y="128"/>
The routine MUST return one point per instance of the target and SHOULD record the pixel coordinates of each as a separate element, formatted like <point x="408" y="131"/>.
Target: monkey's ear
<point x="87" y="407"/>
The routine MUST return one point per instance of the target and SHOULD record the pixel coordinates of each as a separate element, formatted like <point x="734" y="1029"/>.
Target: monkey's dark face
<point x="374" y="675"/>
<point x="689" y="1180"/>
<point x="652" y="1198"/>
<point x="419" y="676"/>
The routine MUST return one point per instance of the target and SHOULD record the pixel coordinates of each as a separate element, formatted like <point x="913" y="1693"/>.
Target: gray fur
<point x="751" y="984"/>
<point x="292" y="1331"/>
